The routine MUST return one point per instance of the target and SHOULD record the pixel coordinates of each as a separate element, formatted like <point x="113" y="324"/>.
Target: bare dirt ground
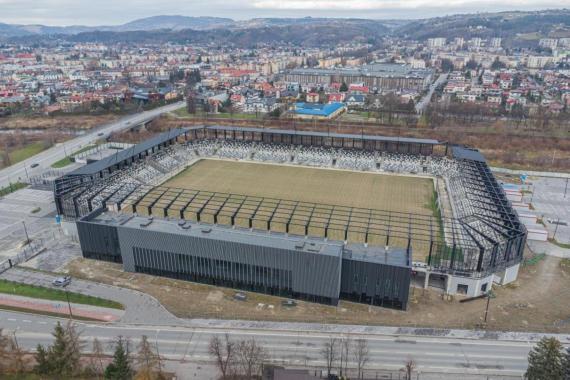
<point x="537" y="301"/>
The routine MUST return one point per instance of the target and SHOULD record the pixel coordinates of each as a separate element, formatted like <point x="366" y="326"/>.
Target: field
<point x="333" y="187"/>
<point x="298" y="200"/>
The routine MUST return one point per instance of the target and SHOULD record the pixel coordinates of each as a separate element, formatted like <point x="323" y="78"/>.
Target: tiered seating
<point x="313" y="156"/>
<point x="236" y="150"/>
<point x="273" y="153"/>
<point x="356" y="160"/>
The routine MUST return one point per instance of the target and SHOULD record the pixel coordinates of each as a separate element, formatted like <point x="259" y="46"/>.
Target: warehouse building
<point x="377" y="76"/>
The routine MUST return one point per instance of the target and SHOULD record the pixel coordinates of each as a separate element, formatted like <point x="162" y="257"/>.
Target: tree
<point x="224" y="353"/>
<point x="345" y="345"/>
<point x="343" y="87"/>
<point x="120" y="368"/>
<point x="148" y="362"/>
<point x="4" y="350"/>
<point x="17" y="362"/>
<point x="361" y="356"/>
<point x="497" y="65"/>
<point x="63" y="356"/>
<point x="409" y="367"/>
<point x="329" y="352"/>
<point x="567" y="364"/>
<point x="250" y="357"/>
<point x="545" y="360"/>
<point x="446" y="65"/>
<point x="471" y="64"/>
<point x="97" y="355"/>
<point x="43" y="366"/>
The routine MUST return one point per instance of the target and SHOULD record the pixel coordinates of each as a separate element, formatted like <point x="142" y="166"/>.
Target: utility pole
<point x="68" y="305"/>
<point x="566" y="187"/>
<point x="26" y="232"/>
<point x="487" y="308"/>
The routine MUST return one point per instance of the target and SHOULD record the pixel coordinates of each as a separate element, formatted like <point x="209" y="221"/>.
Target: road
<point x="423" y="103"/>
<point x="46" y="158"/>
<point x="432" y="354"/>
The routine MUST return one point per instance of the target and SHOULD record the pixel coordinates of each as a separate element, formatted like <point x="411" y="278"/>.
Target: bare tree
<point x="97" y="355"/>
<point x="148" y="362"/>
<point x="224" y="352"/>
<point x="17" y="361"/>
<point x="250" y="357"/>
<point x="74" y="347"/>
<point x="361" y="356"/>
<point x="330" y="353"/>
<point x="345" y="345"/>
<point x="409" y="367"/>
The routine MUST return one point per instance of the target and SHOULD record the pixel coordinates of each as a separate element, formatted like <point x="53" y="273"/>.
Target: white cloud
<point x="107" y="12"/>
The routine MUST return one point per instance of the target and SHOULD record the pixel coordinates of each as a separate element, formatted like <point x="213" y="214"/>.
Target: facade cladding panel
<point x="99" y="241"/>
<point x="307" y="275"/>
<point x="375" y="283"/>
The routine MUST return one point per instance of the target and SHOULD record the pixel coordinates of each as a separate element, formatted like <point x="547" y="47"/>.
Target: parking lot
<point x="551" y="201"/>
<point x="25" y="212"/>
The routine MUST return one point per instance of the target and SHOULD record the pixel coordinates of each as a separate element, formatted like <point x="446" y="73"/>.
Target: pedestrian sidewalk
<point x="59" y="307"/>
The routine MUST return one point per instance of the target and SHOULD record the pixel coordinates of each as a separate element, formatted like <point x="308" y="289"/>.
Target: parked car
<point x="289" y="303"/>
<point x="239" y="296"/>
<point x="62" y="281"/>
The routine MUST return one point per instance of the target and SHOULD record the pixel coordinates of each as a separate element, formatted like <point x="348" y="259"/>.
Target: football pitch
<point x="325" y="186"/>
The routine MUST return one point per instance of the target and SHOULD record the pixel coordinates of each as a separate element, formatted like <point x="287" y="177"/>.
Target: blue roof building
<point x="316" y="110"/>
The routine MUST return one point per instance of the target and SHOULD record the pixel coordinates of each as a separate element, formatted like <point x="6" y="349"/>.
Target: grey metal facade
<point x="313" y="270"/>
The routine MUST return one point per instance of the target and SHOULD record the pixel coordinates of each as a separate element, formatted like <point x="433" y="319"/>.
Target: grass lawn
<point x="67" y="160"/>
<point x="333" y="192"/>
<point x="10" y="189"/>
<point x="561" y="245"/>
<point x="9" y="287"/>
<point x="26" y="152"/>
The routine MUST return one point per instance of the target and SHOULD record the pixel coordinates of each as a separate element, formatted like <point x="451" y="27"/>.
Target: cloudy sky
<point x="109" y="12"/>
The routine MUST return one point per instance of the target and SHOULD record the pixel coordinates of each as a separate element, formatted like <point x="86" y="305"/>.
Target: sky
<point x="113" y="12"/>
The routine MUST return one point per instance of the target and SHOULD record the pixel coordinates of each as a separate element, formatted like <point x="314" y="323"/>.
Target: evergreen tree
<point x="343" y="87"/>
<point x="567" y="364"/>
<point x="545" y="361"/>
<point x="57" y="354"/>
<point x="119" y="368"/>
<point x="42" y="362"/>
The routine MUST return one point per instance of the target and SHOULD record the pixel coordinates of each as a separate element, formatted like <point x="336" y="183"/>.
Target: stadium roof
<point x="325" y="134"/>
<point x="462" y="153"/>
<point x="125" y="154"/>
<point x="317" y="109"/>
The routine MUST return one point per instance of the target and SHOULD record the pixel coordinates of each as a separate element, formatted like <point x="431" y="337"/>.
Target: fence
<point x="28" y="252"/>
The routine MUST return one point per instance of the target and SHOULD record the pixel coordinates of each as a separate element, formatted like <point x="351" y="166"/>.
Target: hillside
<point x="513" y="26"/>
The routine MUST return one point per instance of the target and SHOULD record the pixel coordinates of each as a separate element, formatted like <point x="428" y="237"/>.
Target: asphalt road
<point x="432" y="354"/>
<point x="423" y="103"/>
<point x="140" y="308"/>
<point x="46" y="158"/>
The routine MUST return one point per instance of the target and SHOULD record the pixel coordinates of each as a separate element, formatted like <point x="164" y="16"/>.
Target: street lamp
<point x="490" y="295"/>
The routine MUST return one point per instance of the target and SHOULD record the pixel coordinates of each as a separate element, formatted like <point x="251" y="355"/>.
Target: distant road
<point x="423" y="103"/>
<point x="432" y="354"/>
<point x="46" y="158"/>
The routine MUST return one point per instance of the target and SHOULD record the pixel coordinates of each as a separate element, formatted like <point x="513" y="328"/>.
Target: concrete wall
<point x="456" y="285"/>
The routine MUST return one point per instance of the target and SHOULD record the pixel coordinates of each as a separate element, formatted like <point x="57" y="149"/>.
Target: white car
<point x="62" y="281"/>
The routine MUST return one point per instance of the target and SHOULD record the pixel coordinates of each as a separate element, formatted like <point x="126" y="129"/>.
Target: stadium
<point x="307" y="215"/>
